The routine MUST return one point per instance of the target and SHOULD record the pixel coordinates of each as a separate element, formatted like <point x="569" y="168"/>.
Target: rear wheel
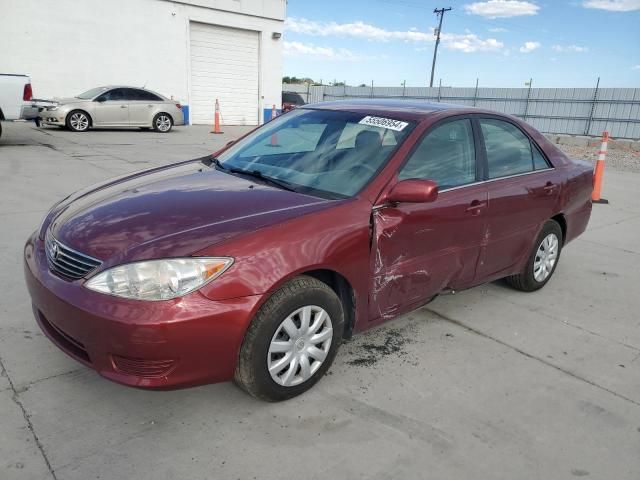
<point x="78" y="121"/>
<point x="543" y="260"/>
<point x="162" y="122"/>
<point x="292" y="341"/>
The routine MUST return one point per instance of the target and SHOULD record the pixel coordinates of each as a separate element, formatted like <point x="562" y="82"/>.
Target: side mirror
<point x="100" y="99"/>
<point x="413" y="191"/>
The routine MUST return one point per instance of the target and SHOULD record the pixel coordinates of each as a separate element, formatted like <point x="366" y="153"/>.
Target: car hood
<point x="171" y="211"/>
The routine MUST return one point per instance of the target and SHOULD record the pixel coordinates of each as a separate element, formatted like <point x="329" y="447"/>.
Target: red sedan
<point x="253" y="264"/>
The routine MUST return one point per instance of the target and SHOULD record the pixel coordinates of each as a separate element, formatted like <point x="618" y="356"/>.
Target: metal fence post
<point x="475" y="94"/>
<point x="372" y="89"/>
<point x="526" y="106"/>
<point x="439" y="88"/>
<point x="308" y="92"/>
<point x="593" y="107"/>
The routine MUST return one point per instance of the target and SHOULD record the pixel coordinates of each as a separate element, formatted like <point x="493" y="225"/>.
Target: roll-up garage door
<point x="224" y="65"/>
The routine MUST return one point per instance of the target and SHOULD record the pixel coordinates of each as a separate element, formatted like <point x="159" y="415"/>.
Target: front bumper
<point x="167" y="344"/>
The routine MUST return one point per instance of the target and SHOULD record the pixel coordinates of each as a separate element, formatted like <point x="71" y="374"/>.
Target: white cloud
<point x="292" y="49"/>
<point x="636" y="67"/>
<point x="467" y="42"/>
<point x="470" y="43"/>
<point x="569" y="49"/>
<point x="498" y="30"/>
<point x="502" y="8"/>
<point x="613" y="5"/>
<point x="355" y="29"/>
<point x="529" y="47"/>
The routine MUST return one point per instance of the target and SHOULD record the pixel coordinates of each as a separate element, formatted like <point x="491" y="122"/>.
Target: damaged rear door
<point x="420" y="249"/>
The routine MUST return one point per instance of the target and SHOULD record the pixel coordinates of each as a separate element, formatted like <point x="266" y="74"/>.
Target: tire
<point x="78" y="121"/>
<point x="540" y="265"/>
<point x="162" y="122"/>
<point x="267" y="332"/>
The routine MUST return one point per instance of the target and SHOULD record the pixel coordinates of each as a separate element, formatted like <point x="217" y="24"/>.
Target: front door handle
<point x="124" y="106"/>
<point x="475" y="207"/>
<point x="549" y="188"/>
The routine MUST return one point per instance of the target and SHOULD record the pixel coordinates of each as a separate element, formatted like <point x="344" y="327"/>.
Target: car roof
<point x="410" y="109"/>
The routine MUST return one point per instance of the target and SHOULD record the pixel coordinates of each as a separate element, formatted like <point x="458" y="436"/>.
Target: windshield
<point x="331" y="154"/>
<point x="89" y="94"/>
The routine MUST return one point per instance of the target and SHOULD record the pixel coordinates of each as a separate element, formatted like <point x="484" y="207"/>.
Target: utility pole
<point x="440" y="13"/>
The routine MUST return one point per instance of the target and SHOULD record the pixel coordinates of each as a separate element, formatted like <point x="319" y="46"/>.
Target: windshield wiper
<point x="255" y="174"/>
<point x="259" y="175"/>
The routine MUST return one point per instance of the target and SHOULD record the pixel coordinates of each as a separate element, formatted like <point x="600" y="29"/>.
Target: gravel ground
<point x="619" y="158"/>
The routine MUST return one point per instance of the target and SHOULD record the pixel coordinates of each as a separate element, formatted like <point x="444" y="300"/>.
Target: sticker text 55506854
<point x="382" y="122"/>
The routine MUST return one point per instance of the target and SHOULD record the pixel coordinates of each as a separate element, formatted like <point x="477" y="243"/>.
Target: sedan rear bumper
<point x="166" y="344"/>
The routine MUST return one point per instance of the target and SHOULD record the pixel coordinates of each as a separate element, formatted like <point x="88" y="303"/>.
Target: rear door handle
<point x="124" y="106"/>
<point x="475" y="207"/>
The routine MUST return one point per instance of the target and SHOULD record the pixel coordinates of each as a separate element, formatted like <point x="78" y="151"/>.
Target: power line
<point x="440" y="13"/>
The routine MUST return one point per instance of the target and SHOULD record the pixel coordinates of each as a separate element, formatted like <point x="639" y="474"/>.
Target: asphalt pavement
<point x="489" y="383"/>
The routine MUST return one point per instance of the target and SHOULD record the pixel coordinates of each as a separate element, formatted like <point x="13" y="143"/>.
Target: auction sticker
<point x="381" y="122"/>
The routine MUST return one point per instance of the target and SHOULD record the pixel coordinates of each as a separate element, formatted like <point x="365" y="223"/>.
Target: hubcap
<point x="299" y="346"/>
<point x="546" y="257"/>
<point x="79" y="121"/>
<point x="163" y="123"/>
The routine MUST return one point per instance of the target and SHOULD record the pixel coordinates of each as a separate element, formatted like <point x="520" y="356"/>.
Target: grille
<point x="67" y="262"/>
<point x="142" y="368"/>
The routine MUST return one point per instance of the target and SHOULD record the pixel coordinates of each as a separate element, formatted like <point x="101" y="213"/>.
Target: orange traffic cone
<point x="599" y="171"/>
<point x="216" y="119"/>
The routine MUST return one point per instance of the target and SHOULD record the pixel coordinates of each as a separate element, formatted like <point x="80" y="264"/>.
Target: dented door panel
<point x="418" y="250"/>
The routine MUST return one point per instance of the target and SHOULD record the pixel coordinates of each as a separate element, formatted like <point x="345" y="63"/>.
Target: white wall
<point x="68" y="46"/>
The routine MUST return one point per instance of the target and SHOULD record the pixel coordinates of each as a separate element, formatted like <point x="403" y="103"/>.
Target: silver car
<point x="114" y="106"/>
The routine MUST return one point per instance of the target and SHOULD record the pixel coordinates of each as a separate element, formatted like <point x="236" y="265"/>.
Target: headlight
<point x="159" y="279"/>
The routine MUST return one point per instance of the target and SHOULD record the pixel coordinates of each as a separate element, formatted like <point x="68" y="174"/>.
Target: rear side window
<point x="446" y="155"/>
<point x="539" y="162"/>
<point x="509" y="151"/>
<point x="143" y="95"/>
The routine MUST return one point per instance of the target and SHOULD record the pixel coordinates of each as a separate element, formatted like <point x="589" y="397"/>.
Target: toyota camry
<point x="252" y="264"/>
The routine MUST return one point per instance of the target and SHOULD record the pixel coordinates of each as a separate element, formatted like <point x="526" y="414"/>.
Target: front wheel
<point x="543" y="260"/>
<point x="162" y="122"/>
<point x="292" y="340"/>
<point x="78" y="121"/>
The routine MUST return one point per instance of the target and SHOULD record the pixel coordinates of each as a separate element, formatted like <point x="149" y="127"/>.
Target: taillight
<point x="179" y="106"/>
<point x="27" y="93"/>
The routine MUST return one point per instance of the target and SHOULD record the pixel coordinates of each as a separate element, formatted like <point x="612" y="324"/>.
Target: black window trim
<point x="532" y="143"/>
<point x="477" y="153"/>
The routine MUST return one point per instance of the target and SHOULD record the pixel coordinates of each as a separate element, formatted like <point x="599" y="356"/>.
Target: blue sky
<point x="503" y="42"/>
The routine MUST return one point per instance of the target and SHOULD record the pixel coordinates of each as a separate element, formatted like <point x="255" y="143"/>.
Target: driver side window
<point x="446" y="155"/>
<point x="112" y="95"/>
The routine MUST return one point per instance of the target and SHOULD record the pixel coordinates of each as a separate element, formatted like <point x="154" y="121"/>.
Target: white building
<point x="192" y="50"/>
